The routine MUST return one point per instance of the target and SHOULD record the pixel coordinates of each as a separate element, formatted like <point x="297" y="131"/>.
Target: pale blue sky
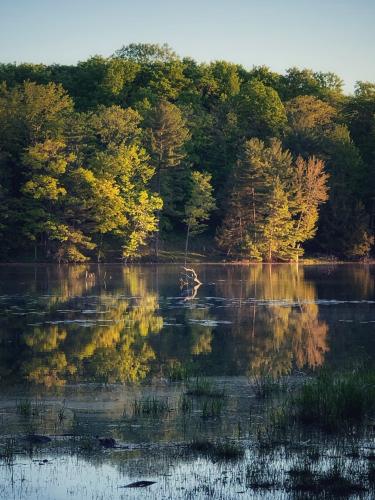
<point x="327" y="35"/>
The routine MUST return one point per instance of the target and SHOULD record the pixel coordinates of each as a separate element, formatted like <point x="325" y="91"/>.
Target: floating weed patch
<point x="152" y="407"/>
<point x="334" y="401"/>
<point x="203" y="387"/>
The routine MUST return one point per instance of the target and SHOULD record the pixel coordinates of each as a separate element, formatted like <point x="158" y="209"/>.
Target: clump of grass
<point x="27" y="409"/>
<point x="203" y="387"/>
<point x="24" y="407"/>
<point x="185" y="404"/>
<point x="333" y="401"/>
<point x="223" y="450"/>
<point x="265" y="386"/>
<point x="150" y="407"/>
<point x="87" y="445"/>
<point x="178" y="372"/>
<point x="212" y="408"/>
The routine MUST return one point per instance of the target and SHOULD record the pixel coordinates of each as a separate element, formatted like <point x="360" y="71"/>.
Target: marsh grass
<point x="202" y="387"/>
<point x="330" y="483"/>
<point x="335" y="401"/>
<point x="27" y="408"/>
<point x="150" y="407"/>
<point x="86" y="445"/>
<point x="212" y="408"/>
<point x="185" y="405"/>
<point x="260" y="475"/>
<point x="221" y="450"/>
<point x="266" y="386"/>
<point x="24" y="407"/>
<point x="178" y="372"/>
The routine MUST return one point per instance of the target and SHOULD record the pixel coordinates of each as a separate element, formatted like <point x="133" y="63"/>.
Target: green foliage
<point x="336" y="401"/>
<point x="200" y="203"/>
<point x="260" y="110"/>
<point x="97" y="157"/>
<point x="273" y="203"/>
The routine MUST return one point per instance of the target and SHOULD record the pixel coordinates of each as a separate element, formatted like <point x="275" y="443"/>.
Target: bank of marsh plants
<point x="332" y="401"/>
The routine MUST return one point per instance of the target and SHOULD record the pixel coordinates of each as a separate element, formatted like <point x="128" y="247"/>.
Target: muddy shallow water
<point x="92" y="352"/>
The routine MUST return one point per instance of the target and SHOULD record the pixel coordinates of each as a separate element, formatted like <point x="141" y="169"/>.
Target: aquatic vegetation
<point x="185" y="404"/>
<point x="152" y="407"/>
<point x="266" y="385"/>
<point x="203" y="387"/>
<point x="178" y="372"/>
<point x="333" y="401"/>
<point x="221" y="450"/>
<point x="24" y="407"/>
<point x="29" y="408"/>
<point x="329" y="483"/>
<point x="212" y="408"/>
<point x="260" y="475"/>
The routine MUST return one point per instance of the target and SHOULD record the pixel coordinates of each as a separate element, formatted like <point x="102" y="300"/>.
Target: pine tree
<point x="274" y="201"/>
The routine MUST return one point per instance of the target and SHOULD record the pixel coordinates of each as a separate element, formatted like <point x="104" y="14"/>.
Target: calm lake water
<point x="81" y="346"/>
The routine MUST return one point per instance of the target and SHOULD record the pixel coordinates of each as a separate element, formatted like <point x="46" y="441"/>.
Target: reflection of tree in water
<point x="279" y="326"/>
<point x="109" y="344"/>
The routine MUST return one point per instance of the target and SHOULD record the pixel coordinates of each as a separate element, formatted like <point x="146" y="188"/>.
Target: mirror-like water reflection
<point x="124" y="324"/>
<point x="82" y="348"/>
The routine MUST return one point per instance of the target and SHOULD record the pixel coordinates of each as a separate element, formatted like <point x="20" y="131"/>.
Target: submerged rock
<point x="139" y="484"/>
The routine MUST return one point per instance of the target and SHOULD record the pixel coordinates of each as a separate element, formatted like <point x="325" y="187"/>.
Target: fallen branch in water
<point x="193" y="276"/>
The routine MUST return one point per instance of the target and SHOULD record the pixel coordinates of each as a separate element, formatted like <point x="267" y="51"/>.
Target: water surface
<point x="82" y="343"/>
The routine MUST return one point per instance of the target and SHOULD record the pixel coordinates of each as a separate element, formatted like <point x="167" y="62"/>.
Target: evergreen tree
<point x="274" y="202"/>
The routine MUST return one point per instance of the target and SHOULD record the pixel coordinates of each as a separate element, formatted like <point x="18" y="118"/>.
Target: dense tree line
<point x="111" y="158"/>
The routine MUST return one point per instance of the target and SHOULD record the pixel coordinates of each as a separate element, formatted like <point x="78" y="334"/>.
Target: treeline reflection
<point x="125" y="324"/>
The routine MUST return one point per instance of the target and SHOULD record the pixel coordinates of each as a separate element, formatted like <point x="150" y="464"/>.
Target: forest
<point x="122" y="158"/>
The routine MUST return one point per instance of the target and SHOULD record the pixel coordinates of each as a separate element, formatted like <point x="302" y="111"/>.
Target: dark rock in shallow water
<point x="107" y="442"/>
<point x="38" y="439"/>
<point x="139" y="484"/>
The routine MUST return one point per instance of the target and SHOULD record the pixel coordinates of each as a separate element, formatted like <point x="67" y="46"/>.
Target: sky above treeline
<point x="325" y="35"/>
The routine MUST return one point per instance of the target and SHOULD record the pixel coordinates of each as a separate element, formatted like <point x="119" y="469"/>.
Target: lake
<point x="174" y="373"/>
